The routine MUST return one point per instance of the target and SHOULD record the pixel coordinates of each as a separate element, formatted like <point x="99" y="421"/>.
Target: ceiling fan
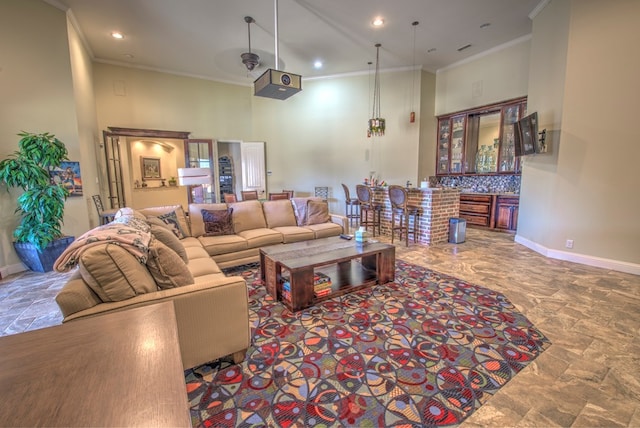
<point x="250" y="59"/>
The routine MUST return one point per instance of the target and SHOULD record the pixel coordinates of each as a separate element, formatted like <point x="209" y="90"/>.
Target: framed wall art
<point x="150" y="168"/>
<point x="68" y="175"/>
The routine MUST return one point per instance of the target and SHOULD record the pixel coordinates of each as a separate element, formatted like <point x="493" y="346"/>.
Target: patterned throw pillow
<point x="218" y="222"/>
<point x="171" y="219"/>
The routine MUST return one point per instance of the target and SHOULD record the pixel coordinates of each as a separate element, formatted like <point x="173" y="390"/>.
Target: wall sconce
<point x="198" y="179"/>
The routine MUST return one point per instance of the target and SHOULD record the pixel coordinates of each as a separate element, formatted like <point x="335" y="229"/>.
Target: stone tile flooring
<point x="589" y="376"/>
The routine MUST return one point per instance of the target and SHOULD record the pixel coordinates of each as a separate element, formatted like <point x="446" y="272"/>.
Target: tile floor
<point x="589" y="376"/>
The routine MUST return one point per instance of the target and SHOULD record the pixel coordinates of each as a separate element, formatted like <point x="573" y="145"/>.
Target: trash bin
<point x="457" y="230"/>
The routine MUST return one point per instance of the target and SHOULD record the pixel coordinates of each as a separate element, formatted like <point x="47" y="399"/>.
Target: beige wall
<point x="318" y="136"/>
<point x="547" y="75"/>
<point x="37" y="92"/>
<point x="80" y="213"/>
<point x="593" y="193"/>
<point x="494" y="76"/>
<point x="428" y="126"/>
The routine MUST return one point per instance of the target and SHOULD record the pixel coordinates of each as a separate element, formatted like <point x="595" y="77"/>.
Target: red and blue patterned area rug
<point x="425" y="350"/>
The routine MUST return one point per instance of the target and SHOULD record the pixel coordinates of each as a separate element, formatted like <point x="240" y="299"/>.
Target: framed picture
<point x="150" y="168"/>
<point x="68" y="175"/>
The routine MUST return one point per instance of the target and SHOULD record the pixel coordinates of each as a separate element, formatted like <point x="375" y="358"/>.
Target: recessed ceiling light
<point x="317" y="64"/>
<point x="117" y="35"/>
<point x="377" y="22"/>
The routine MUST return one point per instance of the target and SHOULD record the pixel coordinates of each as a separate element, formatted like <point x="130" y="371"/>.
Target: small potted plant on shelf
<point x="173" y="181"/>
<point x="38" y="239"/>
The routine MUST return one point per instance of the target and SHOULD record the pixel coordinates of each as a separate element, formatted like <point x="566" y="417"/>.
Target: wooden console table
<point x="117" y="369"/>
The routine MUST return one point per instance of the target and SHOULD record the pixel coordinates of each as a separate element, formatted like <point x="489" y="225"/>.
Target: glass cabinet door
<point x="457" y="143"/>
<point x="510" y="115"/>
<point x="444" y="137"/>
<point x="199" y="154"/>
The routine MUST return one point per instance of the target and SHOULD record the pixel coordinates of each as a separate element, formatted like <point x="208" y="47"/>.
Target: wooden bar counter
<point x="438" y="206"/>
<point x="119" y="369"/>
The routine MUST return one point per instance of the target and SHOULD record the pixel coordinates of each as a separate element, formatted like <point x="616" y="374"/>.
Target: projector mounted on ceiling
<point x="277" y="84"/>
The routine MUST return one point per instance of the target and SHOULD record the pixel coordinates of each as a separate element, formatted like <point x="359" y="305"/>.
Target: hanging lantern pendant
<point x="377" y="125"/>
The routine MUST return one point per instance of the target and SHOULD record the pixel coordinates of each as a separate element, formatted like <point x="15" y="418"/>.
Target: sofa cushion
<point x="279" y="213"/>
<point x="223" y="244"/>
<point x="202" y="267"/>
<point x="317" y="212"/>
<point x="248" y="215"/>
<point x="167" y="209"/>
<point x="300" y="208"/>
<point x="325" y="230"/>
<point x="261" y="237"/>
<point x="196" y="253"/>
<point x="114" y="274"/>
<point x="218" y="222"/>
<point x="294" y="233"/>
<point x="195" y="216"/>
<point x="165" y="236"/>
<point x="166" y="267"/>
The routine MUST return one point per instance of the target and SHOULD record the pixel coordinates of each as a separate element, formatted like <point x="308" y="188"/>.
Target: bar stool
<point x="351" y="205"/>
<point x="367" y="206"/>
<point x="400" y="205"/>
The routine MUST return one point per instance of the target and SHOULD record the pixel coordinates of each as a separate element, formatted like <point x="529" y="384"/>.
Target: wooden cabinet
<point x="490" y="210"/>
<point x="476" y="209"/>
<point x="479" y="140"/>
<point x="506" y="212"/>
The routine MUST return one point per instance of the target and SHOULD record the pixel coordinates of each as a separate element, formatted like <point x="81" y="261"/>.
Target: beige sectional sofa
<point x="185" y="255"/>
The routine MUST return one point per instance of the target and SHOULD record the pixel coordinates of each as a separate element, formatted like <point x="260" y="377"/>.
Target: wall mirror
<point x="483" y="141"/>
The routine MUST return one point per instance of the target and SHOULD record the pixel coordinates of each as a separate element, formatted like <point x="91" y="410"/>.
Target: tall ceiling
<point x="205" y="38"/>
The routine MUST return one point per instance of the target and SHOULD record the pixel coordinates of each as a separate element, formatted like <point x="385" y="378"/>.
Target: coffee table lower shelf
<point x="345" y="277"/>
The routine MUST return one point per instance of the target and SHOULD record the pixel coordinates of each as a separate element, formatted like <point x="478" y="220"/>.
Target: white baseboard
<point x="617" y="265"/>
<point x="5" y="271"/>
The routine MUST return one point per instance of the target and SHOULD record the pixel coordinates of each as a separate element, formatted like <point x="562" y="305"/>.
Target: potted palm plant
<point x="39" y="240"/>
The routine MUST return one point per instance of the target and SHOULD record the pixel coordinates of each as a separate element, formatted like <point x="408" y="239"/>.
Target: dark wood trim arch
<point x="135" y="132"/>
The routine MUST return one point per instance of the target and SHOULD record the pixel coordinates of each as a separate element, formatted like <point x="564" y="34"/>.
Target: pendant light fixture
<point x="377" y="124"/>
<point x="249" y="59"/>
<point x="412" y="115"/>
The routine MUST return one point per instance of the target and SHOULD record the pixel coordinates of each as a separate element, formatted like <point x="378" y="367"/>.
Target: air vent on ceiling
<point x="464" y="47"/>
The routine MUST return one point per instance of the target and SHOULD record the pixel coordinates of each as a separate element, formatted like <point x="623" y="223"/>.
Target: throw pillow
<point x="166" y="267"/>
<point x="113" y="273"/>
<point x="165" y="236"/>
<point x="218" y="222"/>
<point x="171" y="219"/>
<point x="317" y="212"/>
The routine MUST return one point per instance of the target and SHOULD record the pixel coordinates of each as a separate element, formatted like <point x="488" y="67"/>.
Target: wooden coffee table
<point x="350" y="266"/>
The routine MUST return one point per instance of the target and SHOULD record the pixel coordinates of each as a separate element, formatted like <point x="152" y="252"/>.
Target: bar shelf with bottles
<point x="480" y="140"/>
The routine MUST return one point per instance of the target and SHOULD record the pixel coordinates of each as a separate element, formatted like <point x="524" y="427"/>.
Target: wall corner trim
<point x="617" y="265"/>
